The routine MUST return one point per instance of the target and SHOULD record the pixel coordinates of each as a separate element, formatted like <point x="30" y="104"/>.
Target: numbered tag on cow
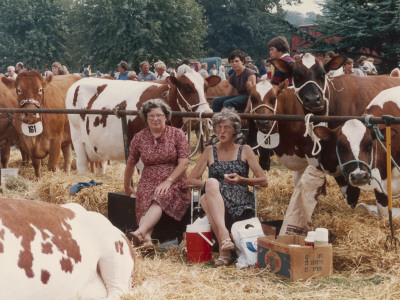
<point x="269" y="142"/>
<point x="32" y="129"/>
<point x="245" y="234"/>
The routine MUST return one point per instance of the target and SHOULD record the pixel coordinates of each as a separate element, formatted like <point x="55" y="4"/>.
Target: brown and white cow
<point x="346" y="95"/>
<point x="362" y="159"/>
<point x="50" y="251"/>
<point x="34" y="92"/>
<point x="99" y="137"/>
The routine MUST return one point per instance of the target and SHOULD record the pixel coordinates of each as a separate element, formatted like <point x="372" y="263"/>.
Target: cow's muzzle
<point x="264" y="125"/>
<point x="359" y="178"/>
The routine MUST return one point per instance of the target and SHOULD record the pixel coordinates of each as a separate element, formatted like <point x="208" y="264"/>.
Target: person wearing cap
<point x="249" y="64"/>
<point x="123" y="70"/>
<point x="145" y="74"/>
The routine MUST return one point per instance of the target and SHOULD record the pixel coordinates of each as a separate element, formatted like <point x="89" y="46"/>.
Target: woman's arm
<point x="193" y="178"/>
<point x="129" y="169"/>
<point x="250" y="158"/>
<point x="180" y="169"/>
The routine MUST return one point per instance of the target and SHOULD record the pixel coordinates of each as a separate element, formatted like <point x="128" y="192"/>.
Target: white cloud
<point x="306" y="6"/>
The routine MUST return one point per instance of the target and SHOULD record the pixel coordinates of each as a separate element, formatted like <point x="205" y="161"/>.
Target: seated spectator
<point x="279" y="48"/>
<point x="164" y="152"/>
<point x="239" y="78"/>
<point x="348" y="68"/>
<point x="132" y="76"/>
<point x="161" y="70"/>
<point x="123" y="70"/>
<point x="11" y="72"/>
<point x="145" y="74"/>
<point x="203" y="70"/>
<point x="55" y="68"/>
<point x="225" y="196"/>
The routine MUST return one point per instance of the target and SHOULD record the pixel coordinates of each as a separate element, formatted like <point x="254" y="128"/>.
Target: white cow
<point x="99" y="137"/>
<point x="50" y="251"/>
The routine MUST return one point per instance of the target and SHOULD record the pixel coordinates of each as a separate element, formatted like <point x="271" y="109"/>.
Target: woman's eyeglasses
<point x="153" y="117"/>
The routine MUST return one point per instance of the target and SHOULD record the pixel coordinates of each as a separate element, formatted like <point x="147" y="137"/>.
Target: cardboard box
<point x="294" y="262"/>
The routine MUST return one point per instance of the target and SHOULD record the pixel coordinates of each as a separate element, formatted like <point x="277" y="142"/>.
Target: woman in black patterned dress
<point x="225" y="194"/>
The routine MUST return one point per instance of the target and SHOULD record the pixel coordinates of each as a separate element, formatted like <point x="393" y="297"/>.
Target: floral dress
<point x="160" y="158"/>
<point x="237" y="198"/>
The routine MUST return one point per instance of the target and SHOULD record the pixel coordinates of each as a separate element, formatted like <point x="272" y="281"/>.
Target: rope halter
<point x="273" y="109"/>
<point x="188" y="105"/>
<point x="297" y="91"/>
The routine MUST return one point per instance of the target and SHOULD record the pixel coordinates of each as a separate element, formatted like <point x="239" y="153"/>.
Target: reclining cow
<point x="42" y="134"/>
<point x="99" y="138"/>
<point x="50" y="251"/>
<point x="355" y="149"/>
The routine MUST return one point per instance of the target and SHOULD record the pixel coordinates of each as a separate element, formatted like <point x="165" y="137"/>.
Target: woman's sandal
<point x="136" y="239"/>
<point x="227" y="245"/>
<point x="224" y="260"/>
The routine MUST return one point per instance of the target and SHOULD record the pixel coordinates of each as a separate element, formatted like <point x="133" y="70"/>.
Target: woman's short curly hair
<point x="155" y="103"/>
<point x="230" y="115"/>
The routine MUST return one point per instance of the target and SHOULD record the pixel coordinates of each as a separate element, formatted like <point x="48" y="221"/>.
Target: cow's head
<point x="352" y="145"/>
<point x="30" y="87"/>
<point x="310" y="80"/>
<point x="264" y="101"/>
<point x="191" y="90"/>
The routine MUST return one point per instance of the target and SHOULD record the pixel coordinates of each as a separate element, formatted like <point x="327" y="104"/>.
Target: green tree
<point x="108" y="31"/>
<point x="33" y="32"/>
<point x="244" y="24"/>
<point x="362" y="26"/>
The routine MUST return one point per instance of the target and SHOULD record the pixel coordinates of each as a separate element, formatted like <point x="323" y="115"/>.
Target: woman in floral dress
<point x="225" y="194"/>
<point x="164" y="152"/>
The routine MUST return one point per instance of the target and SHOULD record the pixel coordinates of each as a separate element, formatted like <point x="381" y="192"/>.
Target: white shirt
<point x="163" y="76"/>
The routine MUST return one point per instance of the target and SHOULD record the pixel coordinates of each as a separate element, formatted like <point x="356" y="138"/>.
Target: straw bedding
<point x="362" y="267"/>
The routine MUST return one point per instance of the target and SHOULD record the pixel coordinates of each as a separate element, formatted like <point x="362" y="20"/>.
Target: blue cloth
<point x="123" y="76"/>
<point x="149" y="76"/>
<point x="238" y="102"/>
<point x="77" y="187"/>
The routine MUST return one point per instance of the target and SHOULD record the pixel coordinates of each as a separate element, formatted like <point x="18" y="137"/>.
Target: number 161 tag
<point x="270" y="142"/>
<point x="32" y="129"/>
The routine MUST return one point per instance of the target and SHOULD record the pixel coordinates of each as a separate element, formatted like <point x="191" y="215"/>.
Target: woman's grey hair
<point x="160" y="65"/>
<point x="230" y="115"/>
<point x="155" y="103"/>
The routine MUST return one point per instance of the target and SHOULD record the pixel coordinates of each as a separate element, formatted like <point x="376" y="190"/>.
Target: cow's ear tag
<point x="268" y="142"/>
<point x="32" y="129"/>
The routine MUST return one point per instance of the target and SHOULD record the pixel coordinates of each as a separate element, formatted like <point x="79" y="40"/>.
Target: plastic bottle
<point x="321" y="237"/>
<point x="309" y="240"/>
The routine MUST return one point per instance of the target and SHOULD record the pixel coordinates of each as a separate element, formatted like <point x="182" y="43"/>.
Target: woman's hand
<point x="163" y="187"/>
<point x="130" y="191"/>
<point x="232" y="178"/>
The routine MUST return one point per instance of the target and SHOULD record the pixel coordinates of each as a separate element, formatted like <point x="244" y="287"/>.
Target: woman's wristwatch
<point x="170" y="179"/>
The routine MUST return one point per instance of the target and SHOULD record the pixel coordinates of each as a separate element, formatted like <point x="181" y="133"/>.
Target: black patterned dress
<point x="237" y="198"/>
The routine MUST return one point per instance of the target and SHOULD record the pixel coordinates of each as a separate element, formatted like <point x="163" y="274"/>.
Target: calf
<point x="354" y="150"/>
<point x="50" y="251"/>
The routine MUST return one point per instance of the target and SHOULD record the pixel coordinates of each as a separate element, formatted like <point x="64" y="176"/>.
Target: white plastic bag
<point x="245" y="234"/>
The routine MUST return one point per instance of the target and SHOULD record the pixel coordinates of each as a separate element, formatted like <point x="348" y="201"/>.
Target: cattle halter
<point x="273" y="124"/>
<point x="297" y="91"/>
<point x="188" y="105"/>
<point x="354" y="161"/>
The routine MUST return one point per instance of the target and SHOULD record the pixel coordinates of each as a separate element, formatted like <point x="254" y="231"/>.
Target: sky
<point x="306" y="6"/>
